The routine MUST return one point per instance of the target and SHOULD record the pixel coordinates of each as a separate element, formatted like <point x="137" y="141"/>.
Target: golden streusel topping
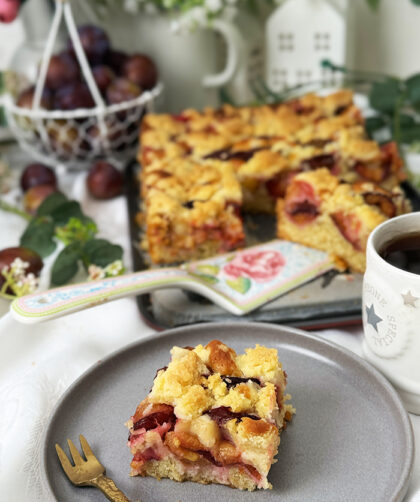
<point x="184" y="185"/>
<point x="197" y="381"/>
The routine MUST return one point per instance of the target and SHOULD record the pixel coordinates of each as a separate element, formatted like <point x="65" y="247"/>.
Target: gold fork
<point x="89" y="472"/>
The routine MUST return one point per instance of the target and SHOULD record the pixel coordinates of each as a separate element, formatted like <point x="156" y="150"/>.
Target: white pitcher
<point x="188" y="61"/>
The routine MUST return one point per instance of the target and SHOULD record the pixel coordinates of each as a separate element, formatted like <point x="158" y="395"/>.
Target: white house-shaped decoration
<point x="299" y="35"/>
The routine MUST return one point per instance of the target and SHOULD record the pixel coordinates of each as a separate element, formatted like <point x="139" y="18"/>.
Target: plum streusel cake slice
<point x="322" y="212"/>
<point x="212" y="416"/>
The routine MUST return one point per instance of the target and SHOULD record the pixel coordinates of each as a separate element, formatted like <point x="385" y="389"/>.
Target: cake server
<point x="239" y="282"/>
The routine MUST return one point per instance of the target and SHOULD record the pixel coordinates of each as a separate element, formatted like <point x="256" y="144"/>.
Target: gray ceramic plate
<point x="349" y="440"/>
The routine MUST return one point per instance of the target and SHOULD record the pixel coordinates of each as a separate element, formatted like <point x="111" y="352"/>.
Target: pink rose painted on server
<point x="261" y="266"/>
<point x="9" y="10"/>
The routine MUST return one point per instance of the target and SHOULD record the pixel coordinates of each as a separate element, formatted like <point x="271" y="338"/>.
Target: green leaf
<point x="384" y="96"/>
<point x="416" y="2"/>
<point x="241" y="284"/>
<point x="70" y="209"/>
<point x="373" y="124"/>
<point x="50" y="204"/>
<point x="76" y="231"/>
<point x="413" y="89"/>
<point x="39" y="236"/>
<point x="3" y="119"/>
<point x="410" y="134"/>
<point x="407" y="120"/>
<point x="66" y="265"/>
<point x="373" y="4"/>
<point x="101" y="252"/>
<point x="208" y="269"/>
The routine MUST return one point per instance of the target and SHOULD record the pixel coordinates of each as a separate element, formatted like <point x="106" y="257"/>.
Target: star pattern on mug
<point x="409" y="299"/>
<point x="372" y="317"/>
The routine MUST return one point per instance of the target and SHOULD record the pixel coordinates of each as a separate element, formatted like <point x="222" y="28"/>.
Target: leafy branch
<point x="396" y="103"/>
<point x="60" y="219"/>
<point x="15" y="210"/>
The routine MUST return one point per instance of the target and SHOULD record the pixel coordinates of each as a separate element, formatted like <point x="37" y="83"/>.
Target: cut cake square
<point x="212" y="416"/>
<point x="192" y="211"/>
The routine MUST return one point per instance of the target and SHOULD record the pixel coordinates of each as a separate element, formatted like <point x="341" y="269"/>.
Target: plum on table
<point x="37" y="174"/>
<point x="36" y="195"/>
<point x="8" y="256"/>
<point x="104" y="181"/>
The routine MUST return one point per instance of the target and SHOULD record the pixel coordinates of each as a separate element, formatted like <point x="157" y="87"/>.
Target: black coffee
<point x="403" y="252"/>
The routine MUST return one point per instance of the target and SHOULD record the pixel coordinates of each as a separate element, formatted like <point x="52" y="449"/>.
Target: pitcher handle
<point x="233" y="39"/>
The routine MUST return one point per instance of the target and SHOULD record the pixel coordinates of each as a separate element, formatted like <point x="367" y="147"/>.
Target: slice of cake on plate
<point x="320" y="212"/>
<point x="212" y="416"/>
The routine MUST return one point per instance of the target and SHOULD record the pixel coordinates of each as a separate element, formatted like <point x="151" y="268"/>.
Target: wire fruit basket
<point x="73" y="138"/>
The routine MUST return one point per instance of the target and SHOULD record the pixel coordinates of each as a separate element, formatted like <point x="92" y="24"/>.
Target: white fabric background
<point x="37" y="363"/>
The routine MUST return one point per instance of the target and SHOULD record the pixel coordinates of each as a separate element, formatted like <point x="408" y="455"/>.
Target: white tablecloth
<point x="38" y="363"/>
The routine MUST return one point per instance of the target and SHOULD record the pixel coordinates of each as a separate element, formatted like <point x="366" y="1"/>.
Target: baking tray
<point x="329" y="301"/>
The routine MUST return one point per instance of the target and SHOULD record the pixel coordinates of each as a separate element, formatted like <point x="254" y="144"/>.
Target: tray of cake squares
<point x="304" y="170"/>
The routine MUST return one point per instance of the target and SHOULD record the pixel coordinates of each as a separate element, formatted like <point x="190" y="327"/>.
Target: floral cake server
<point x="239" y="282"/>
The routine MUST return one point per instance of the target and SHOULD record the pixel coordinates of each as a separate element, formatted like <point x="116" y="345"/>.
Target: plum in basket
<point x="116" y="60"/>
<point x="26" y="98"/>
<point x="73" y="96"/>
<point x="120" y="90"/>
<point x="141" y="70"/>
<point x="64" y="137"/>
<point x="103" y="76"/>
<point x="62" y="70"/>
<point x="95" y="43"/>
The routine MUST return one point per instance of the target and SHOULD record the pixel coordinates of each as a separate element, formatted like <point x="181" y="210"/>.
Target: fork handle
<point x="109" y="489"/>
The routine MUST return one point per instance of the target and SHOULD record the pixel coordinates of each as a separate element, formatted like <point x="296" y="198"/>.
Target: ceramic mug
<point x="391" y="312"/>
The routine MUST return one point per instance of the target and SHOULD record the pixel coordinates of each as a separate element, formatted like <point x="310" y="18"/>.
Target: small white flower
<point x="30" y="283"/>
<point x="18" y="267"/>
<point x="113" y="269"/>
<point x="95" y="272"/>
